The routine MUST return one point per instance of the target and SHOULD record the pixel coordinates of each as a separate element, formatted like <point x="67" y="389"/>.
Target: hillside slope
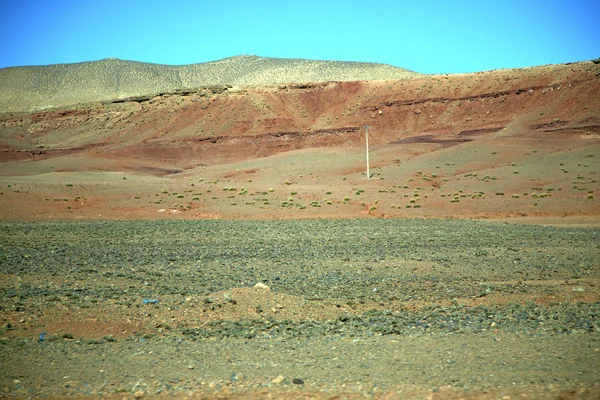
<point x="43" y="87"/>
<point x="522" y="142"/>
<point x="226" y="124"/>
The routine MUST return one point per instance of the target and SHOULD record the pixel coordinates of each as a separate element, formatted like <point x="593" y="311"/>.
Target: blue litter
<point x="41" y="338"/>
<point x="149" y="301"/>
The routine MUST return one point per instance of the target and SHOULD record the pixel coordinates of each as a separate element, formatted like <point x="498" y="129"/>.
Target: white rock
<point x="261" y="285"/>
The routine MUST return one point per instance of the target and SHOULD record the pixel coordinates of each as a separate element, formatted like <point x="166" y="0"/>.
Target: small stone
<point x="212" y="384"/>
<point x="298" y="381"/>
<point x="237" y="376"/>
<point x="497" y="339"/>
<point x="278" y="379"/>
<point x="191" y="366"/>
<point x="139" y="394"/>
<point x="261" y="285"/>
<point x="578" y="289"/>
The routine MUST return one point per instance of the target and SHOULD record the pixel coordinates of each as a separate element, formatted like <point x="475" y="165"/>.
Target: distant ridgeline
<point x="41" y="87"/>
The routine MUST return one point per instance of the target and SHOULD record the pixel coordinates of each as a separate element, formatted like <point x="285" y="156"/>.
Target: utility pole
<point x="367" y="145"/>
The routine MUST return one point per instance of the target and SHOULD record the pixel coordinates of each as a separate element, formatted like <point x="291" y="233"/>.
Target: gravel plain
<point x="406" y="306"/>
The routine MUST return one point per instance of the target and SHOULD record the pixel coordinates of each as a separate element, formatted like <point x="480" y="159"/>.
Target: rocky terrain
<point x="358" y="308"/>
<point x="220" y="238"/>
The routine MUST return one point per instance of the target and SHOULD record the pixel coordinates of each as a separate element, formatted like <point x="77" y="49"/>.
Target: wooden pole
<point x="367" y="145"/>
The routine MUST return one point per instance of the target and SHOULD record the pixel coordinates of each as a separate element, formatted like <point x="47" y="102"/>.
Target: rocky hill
<point x="499" y="143"/>
<point x="41" y="87"/>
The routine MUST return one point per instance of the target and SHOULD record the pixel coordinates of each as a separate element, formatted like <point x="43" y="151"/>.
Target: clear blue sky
<point x="442" y="36"/>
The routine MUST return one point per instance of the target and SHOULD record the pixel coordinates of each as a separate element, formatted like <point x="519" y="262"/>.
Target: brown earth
<point x="532" y="133"/>
<point x="517" y="145"/>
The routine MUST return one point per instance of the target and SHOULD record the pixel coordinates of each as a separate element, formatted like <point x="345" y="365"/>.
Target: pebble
<point x="278" y="379"/>
<point x="261" y="285"/>
<point x="139" y="394"/>
<point x="237" y="376"/>
<point x="298" y="381"/>
<point x="191" y="366"/>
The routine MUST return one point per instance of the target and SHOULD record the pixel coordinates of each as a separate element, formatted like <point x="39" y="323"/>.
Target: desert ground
<point x="227" y="242"/>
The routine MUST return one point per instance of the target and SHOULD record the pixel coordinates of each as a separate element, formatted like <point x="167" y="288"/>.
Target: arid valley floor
<point x="133" y="234"/>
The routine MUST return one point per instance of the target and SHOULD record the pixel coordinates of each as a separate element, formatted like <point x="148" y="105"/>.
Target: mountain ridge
<point x="34" y="88"/>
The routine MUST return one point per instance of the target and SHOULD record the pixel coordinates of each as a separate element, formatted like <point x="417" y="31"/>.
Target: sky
<point x="445" y="36"/>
